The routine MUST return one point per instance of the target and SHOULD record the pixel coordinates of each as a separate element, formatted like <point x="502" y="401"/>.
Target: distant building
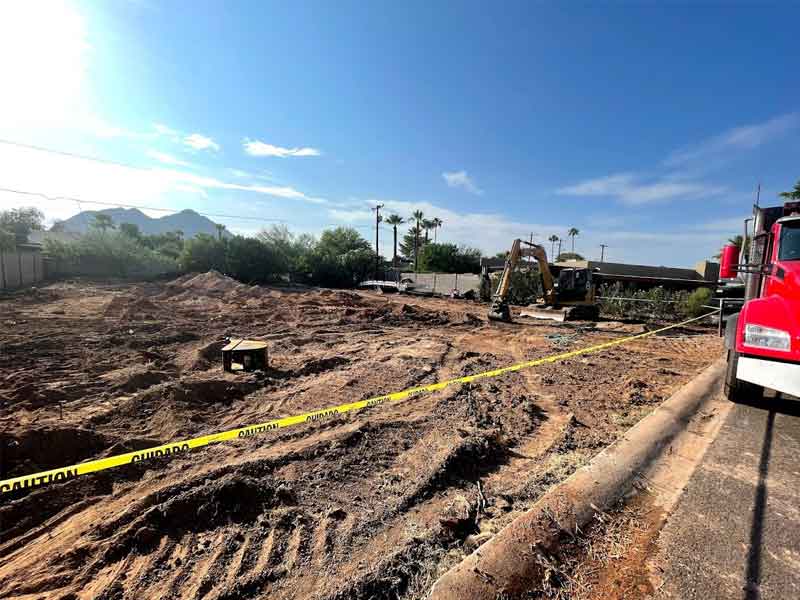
<point x="704" y="274"/>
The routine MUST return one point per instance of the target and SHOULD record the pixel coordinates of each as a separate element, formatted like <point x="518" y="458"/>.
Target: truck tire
<point x="737" y="390"/>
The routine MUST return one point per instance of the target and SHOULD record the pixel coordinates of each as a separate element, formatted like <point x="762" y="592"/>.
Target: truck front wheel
<point x="737" y="390"/>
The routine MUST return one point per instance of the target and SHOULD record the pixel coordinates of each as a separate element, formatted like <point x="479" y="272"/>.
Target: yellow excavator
<point x="568" y="295"/>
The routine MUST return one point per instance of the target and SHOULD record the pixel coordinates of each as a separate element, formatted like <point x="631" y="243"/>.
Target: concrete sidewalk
<point x="735" y="532"/>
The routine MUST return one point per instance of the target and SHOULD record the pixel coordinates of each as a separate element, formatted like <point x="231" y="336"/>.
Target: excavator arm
<point x="500" y="310"/>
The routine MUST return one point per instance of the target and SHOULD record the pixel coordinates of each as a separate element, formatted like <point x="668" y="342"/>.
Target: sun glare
<point x="43" y="49"/>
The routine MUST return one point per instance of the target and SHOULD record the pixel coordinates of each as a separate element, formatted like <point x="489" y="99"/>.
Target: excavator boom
<point x="500" y="310"/>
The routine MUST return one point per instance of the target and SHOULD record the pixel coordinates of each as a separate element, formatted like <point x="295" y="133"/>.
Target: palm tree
<point x="552" y="239"/>
<point x="437" y="222"/>
<point x="394" y="221"/>
<point x="572" y="233"/>
<point x="794" y="194"/>
<point x="418" y="217"/>
<point x="427" y="225"/>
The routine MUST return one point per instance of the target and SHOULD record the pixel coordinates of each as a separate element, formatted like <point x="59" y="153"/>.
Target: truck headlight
<point x="766" y="337"/>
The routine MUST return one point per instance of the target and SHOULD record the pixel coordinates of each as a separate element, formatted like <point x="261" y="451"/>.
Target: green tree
<point x="394" y="221"/>
<point x="131" y="230"/>
<point x="449" y="258"/>
<point x="737" y="241"/>
<point x="19" y="222"/>
<point x="220" y="230"/>
<point x="169" y="243"/>
<point x="8" y="240"/>
<point x="252" y="261"/>
<point x="409" y="243"/>
<point x="427" y="225"/>
<point x="102" y="222"/>
<point x="793" y="194"/>
<point x="341" y="258"/>
<point x="572" y="233"/>
<point x="552" y="239"/>
<point x="437" y="223"/>
<point x="291" y="250"/>
<point x="203" y="253"/>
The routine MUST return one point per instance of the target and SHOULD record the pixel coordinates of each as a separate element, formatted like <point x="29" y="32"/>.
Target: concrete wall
<point x="445" y="283"/>
<point x="21" y="268"/>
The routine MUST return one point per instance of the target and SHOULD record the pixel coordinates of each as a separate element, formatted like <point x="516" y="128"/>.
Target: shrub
<point x="656" y="303"/>
<point x="203" y="253"/>
<point x="252" y="261"/>
<point x="108" y="253"/>
<point x="696" y="304"/>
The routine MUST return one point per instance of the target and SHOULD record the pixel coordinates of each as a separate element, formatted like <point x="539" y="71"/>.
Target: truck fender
<point x="730" y="331"/>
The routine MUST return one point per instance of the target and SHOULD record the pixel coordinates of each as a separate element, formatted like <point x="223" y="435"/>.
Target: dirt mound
<point x="207" y="355"/>
<point x="233" y="498"/>
<point x="136" y="377"/>
<point x="42" y="449"/>
<point x="212" y="281"/>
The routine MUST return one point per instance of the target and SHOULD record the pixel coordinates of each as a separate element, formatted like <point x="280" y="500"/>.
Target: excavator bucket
<point x="579" y="312"/>
<point x="546" y="312"/>
<point x="500" y="312"/>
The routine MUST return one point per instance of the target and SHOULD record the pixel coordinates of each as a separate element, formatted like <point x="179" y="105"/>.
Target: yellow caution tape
<point x="101" y="464"/>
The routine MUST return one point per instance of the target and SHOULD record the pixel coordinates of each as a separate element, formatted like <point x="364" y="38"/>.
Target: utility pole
<point x="377" y="210"/>
<point x="603" y="251"/>
<point x="530" y="258"/>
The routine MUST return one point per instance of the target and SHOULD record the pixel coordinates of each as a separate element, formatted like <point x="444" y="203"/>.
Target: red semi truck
<point x="763" y="340"/>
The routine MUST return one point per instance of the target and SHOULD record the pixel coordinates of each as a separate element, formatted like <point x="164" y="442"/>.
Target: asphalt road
<point x="735" y="532"/>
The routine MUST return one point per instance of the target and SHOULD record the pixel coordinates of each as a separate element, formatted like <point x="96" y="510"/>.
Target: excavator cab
<point x="568" y="295"/>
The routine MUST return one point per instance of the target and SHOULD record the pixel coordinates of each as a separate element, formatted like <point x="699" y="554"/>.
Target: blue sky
<point x="646" y="127"/>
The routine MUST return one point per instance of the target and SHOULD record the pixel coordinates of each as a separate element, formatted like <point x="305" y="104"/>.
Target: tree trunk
<point x="394" y="257"/>
<point x="416" y="249"/>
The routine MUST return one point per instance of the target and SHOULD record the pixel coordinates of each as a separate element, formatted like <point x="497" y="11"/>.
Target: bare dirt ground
<point x="374" y="504"/>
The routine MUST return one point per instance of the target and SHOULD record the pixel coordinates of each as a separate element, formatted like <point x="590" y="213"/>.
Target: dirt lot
<point x="370" y="505"/>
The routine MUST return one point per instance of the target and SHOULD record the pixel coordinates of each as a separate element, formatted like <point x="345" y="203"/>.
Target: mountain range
<point x="187" y="221"/>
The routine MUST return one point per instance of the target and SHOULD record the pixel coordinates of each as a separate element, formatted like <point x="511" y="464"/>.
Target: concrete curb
<point x="510" y="563"/>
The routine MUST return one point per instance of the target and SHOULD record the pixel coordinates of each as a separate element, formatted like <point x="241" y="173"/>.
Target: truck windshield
<point x="790" y="241"/>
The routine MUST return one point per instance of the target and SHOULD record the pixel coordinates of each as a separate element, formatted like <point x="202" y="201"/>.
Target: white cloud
<point x="259" y="148"/>
<point x="167" y="159"/>
<point x="460" y="179"/>
<point x="69" y="177"/>
<point x="162" y="129"/>
<point x="738" y="138"/>
<point x="200" y="142"/>
<point x="633" y="190"/>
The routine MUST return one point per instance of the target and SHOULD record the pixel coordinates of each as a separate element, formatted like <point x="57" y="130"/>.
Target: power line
<point x="71" y="154"/>
<point x="80" y="201"/>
